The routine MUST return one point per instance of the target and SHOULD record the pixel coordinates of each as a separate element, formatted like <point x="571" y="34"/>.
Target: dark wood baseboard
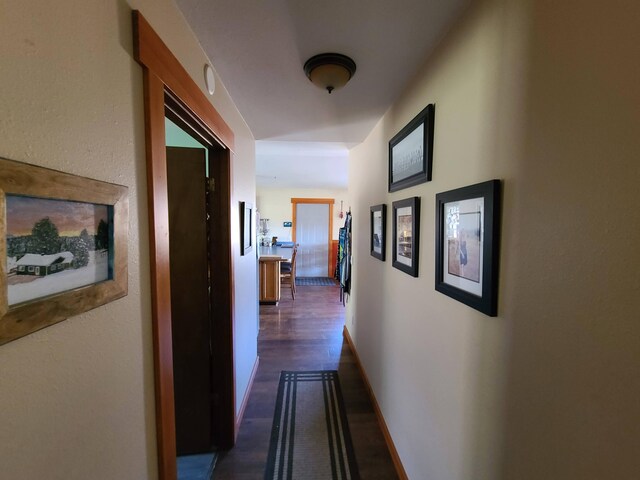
<point x="245" y="400"/>
<point x="383" y="425"/>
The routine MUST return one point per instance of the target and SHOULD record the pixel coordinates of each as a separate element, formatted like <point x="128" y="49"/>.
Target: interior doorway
<point x="312" y="229"/>
<point x="201" y="398"/>
<point x="312" y="235"/>
<point x="190" y="310"/>
<point x="168" y="86"/>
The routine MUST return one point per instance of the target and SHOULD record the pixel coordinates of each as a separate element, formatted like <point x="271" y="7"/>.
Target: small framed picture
<point x="467" y="245"/>
<point x="246" y="228"/>
<point x="378" y="231"/>
<point x="406" y="235"/>
<point x="411" y="152"/>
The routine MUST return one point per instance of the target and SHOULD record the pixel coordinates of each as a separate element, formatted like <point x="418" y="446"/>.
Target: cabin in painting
<point x="43" y="265"/>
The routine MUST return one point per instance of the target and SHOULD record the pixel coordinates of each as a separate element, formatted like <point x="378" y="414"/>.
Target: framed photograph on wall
<point x="406" y="235"/>
<point x="246" y="228"/>
<point x="411" y="152"/>
<point x="63" y="243"/>
<point x="467" y="245"/>
<point x="378" y="222"/>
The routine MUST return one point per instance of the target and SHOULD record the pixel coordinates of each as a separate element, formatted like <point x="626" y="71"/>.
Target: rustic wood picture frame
<point x="21" y="179"/>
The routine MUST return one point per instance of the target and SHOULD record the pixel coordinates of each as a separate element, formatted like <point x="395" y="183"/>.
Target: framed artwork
<point x="467" y="245"/>
<point x="246" y="228"/>
<point x="406" y="235"/>
<point x="411" y="152"/>
<point x="378" y="231"/>
<point x="63" y="245"/>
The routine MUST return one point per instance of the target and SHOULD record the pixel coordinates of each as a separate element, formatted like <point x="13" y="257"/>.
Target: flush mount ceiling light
<point x="330" y="71"/>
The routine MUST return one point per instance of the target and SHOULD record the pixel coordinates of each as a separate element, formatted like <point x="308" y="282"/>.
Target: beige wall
<point x="543" y="95"/>
<point x="573" y="293"/>
<point x="77" y="399"/>
<point x="275" y="204"/>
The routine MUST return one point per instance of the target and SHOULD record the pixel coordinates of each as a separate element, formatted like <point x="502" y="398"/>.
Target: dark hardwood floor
<point x="304" y="335"/>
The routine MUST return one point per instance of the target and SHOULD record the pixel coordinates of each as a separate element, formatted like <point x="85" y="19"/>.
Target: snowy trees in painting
<point x="45" y="238"/>
<point x="55" y="245"/>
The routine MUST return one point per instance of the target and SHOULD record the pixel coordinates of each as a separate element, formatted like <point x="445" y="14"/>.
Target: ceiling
<point x="258" y="48"/>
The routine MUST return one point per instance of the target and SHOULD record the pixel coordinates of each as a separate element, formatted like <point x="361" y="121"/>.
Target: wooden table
<point x="270" y="259"/>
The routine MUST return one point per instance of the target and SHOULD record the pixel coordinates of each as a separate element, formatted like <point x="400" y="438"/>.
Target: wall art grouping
<point x="63" y="243"/>
<point x="467" y="222"/>
<point x="467" y="229"/>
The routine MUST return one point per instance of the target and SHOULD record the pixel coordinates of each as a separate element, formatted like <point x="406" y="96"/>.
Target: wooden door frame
<point x="327" y="201"/>
<point x="162" y="73"/>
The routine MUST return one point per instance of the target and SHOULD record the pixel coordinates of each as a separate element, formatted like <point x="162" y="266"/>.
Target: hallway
<point x="304" y="335"/>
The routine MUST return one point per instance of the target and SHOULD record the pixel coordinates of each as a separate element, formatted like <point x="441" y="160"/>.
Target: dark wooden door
<point x="190" y="318"/>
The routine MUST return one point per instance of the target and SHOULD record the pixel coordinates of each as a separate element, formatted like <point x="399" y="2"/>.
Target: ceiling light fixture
<point x="330" y="71"/>
<point x="209" y="79"/>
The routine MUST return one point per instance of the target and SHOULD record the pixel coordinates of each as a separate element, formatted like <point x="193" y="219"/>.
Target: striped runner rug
<point x="310" y="436"/>
<point x="316" y="282"/>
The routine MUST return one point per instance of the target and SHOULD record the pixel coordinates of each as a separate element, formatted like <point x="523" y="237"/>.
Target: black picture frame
<point x="468" y="225"/>
<point x="246" y="228"/>
<point x="411" y="152"/>
<point x="406" y="235"/>
<point x="378" y="234"/>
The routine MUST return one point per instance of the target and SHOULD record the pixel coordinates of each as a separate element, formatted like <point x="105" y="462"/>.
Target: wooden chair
<point x="288" y="272"/>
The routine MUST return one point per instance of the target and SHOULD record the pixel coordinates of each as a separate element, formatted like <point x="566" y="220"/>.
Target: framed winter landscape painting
<point x="63" y="246"/>
<point x="467" y="245"/>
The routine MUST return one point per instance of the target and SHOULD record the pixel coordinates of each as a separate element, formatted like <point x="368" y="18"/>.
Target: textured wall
<point x="573" y="293"/>
<point x="77" y="399"/>
<point x="544" y="96"/>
